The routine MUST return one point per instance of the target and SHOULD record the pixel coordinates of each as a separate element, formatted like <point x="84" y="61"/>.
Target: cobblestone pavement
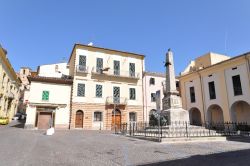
<point x="20" y="147"/>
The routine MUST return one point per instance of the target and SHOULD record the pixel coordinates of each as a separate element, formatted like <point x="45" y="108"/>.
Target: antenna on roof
<point x="63" y="60"/>
<point x="225" y="44"/>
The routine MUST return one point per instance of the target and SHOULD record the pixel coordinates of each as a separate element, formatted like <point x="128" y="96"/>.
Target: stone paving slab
<point x="20" y="147"/>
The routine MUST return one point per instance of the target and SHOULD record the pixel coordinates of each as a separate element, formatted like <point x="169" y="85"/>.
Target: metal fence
<point x="184" y="129"/>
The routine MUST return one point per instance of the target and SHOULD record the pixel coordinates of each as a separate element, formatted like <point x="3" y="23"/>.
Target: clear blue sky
<point x="40" y="32"/>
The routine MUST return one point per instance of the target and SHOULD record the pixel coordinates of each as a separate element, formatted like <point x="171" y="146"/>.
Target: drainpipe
<point x="202" y="96"/>
<point x="248" y="68"/>
<point x="227" y="95"/>
<point x="143" y="91"/>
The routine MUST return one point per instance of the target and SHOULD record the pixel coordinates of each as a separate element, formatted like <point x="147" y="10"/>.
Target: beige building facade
<point x="152" y="82"/>
<point x="216" y="89"/>
<point x="9" y="87"/>
<point x="107" y="87"/>
<point x="48" y="103"/>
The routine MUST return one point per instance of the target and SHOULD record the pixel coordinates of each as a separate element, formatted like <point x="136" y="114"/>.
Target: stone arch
<point x="195" y="116"/>
<point x="215" y="114"/>
<point x="240" y="112"/>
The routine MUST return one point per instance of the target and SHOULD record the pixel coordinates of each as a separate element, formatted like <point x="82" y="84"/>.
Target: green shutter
<point x="45" y="95"/>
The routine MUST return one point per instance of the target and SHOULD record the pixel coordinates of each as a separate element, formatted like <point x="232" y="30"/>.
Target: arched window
<point x="97" y="116"/>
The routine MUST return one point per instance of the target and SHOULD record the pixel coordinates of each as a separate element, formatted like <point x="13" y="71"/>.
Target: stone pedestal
<point x="176" y="115"/>
<point x="173" y="109"/>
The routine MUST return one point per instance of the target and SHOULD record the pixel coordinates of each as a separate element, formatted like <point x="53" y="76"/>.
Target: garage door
<point x="43" y="120"/>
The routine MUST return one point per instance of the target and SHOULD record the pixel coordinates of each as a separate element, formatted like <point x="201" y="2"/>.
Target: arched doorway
<point x="79" y="119"/>
<point x="116" y="119"/>
<point x="195" y="116"/>
<point x="215" y="114"/>
<point x="240" y="112"/>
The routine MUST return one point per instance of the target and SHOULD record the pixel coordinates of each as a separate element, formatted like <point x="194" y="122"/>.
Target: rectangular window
<point x="192" y="94"/>
<point x="132" y="117"/>
<point x="45" y="95"/>
<point x="116" y="94"/>
<point x="132" y="69"/>
<point x="98" y="91"/>
<point x="117" y="68"/>
<point x="98" y="116"/>
<point x="81" y="90"/>
<point x="237" y="85"/>
<point x="99" y="65"/>
<point x="82" y="60"/>
<point x="153" y="97"/>
<point x="211" y="87"/>
<point x="132" y="94"/>
<point x="82" y="63"/>
<point x="152" y="81"/>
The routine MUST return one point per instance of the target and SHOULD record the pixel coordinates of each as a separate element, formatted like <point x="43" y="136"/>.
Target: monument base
<point x="176" y="115"/>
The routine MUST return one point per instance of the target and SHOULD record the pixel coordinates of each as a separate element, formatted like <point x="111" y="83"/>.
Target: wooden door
<point x="116" y="122"/>
<point x="44" y="119"/>
<point x="79" y="119"/>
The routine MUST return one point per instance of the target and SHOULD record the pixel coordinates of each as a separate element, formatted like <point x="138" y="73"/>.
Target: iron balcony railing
<point x="116" y="100"/>
<point x="81" y="69"/>
<point x="116" y="73"/>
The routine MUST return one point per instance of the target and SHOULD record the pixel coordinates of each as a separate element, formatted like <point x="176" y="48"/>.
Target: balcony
<point x="115" y="73"/>
<point x="116" y="100"/>
<point x="81" y="69"/>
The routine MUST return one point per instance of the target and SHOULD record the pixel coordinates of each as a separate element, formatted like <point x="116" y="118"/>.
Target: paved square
<point x="20" y="147"/>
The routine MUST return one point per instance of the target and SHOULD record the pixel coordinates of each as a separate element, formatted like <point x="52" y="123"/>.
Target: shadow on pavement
<point x="17" y="124"/>
<point x="234" y="158"/>
<point x="239" y="139"/>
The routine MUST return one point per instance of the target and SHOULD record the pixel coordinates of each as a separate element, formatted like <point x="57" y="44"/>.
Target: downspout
<point x="143" y="113"/>
<point x="248" y="68"/>
<point x="71" y="94"/>
<point x="202" y="96"/>
<point x="227" y="95"/>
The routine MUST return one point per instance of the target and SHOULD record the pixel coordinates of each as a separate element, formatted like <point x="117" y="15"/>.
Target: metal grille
<point x="99" y="64"/>
<point x="45" y="95"/>
<point x="132" y="69"/>
<point x="132" y="117"/>
<point x="98" y="90"/>
<point x="116" y="68"/>
<point x="132" y="93"/>
<point x="81" y="90"/>
<point x="82" y="60"/>
<point x="116" y="94"/>
<point x="97" y="116"/>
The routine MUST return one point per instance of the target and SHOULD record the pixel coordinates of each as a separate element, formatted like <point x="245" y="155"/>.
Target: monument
<point x="171" y="103"/>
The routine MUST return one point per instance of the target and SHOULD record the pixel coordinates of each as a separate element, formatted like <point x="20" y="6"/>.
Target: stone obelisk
<point x="172" y="105"/>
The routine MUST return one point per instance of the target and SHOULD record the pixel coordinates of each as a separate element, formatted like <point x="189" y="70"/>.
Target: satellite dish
<point x="90" y="44"/>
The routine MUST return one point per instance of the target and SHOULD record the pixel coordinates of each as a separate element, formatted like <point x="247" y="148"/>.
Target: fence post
<point x="161" y="131"/>
<point x="126" y="128"/>
<point x="133" y="129"/>
<point x="130" y="129"/>
<point x="209" y="128"/>
<point x="186" y="129"/>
